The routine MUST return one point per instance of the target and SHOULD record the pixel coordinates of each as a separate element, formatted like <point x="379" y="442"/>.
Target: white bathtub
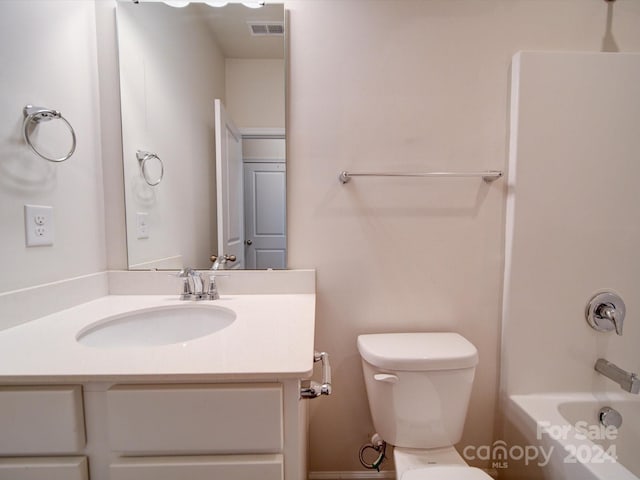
<point x="571" y="444"/>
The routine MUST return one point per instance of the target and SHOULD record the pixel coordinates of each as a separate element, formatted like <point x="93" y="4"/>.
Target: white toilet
<point x="418" y="386"/>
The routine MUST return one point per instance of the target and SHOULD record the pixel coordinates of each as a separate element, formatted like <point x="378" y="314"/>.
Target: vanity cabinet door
<point x="42" y="468"/>
<point x="41" y="420"/>
<point x="195" y="419"/>
<point x="231" y="467"/>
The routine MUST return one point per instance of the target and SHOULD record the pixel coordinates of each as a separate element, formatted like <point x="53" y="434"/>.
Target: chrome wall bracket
<point x="311" y="389"/>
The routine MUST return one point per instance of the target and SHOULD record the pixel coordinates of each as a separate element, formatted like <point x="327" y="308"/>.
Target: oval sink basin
<point x="156" y="326"/>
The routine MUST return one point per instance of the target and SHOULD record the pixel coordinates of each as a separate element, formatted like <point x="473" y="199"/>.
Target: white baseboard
<point x="352" y="475"/>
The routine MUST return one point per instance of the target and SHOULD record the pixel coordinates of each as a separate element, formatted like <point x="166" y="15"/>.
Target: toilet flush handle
<point x="386" y="377"/>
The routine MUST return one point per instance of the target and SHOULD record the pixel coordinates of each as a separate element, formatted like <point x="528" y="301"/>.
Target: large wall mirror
<point x="203" y="119"/>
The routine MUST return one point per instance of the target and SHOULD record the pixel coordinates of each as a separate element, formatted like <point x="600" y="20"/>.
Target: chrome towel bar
<point x="488" y="176"/>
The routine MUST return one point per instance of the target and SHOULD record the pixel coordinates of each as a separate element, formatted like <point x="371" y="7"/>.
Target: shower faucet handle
<point x="605" y="312"/>
<point x="608" y="311"/>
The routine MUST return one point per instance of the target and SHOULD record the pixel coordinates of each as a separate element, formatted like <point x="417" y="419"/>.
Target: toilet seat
<point x="446" y="472"/>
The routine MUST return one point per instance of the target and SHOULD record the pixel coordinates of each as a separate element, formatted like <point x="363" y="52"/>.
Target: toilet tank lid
<point x="418" y="351"/>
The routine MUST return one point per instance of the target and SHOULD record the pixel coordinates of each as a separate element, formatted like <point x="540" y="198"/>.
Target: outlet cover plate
<point x="142" y="225"/>
<point x="39" y="227"/>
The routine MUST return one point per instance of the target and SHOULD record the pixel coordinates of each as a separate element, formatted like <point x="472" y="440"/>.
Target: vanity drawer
<point x="195" y="419"/>
<point x="41" y="420"/>
<point x="231" y="467"/>
<point x="43" y="468"/>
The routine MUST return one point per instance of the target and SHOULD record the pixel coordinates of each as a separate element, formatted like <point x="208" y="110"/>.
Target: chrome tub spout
<point x="627" y="380"/>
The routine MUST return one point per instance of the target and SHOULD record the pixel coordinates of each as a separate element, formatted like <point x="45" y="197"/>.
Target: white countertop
<point x="271" y="338"/>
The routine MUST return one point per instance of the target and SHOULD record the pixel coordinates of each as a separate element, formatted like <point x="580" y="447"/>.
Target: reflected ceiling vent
<point x="266" y="28"/>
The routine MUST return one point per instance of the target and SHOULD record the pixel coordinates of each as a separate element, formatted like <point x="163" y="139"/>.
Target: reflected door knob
<point x="249" y="242"/>
<point x="227" y="258"/>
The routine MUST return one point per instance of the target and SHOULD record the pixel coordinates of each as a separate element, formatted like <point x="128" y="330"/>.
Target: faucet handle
<point x="212" y="291"/>
<point x="185" y="272"/>
<point x="605" y="312"/>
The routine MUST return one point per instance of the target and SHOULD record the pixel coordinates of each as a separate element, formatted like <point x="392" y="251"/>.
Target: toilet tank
<point x="418" y="385"/>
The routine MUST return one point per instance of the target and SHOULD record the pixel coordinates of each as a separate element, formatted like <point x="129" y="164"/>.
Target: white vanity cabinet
<point x="195" y="419"/>
<point x="42" y="433"/>
<point x="44" y="468"/>
<point x="223" y="406"/>
<point x="232" y="467"/>
<point x="239" y="427"/>
<point x="226" y="430"/>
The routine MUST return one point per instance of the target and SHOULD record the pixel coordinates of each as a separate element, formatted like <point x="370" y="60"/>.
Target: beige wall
<point x="48" y="56"/>
<point x="410" y="85"/>
<point x="255" y="92"/>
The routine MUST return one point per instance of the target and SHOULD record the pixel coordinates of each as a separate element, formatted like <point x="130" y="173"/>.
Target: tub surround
<point x="557" y="258"/>
<point x="550" y="278"/>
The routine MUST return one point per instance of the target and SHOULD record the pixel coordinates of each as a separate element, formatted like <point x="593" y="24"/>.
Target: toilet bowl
<point x="418" y="387"/>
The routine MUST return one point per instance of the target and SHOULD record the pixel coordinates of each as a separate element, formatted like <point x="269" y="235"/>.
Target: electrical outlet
<point x="39" y="226"/>
<point x="142" y="225"/>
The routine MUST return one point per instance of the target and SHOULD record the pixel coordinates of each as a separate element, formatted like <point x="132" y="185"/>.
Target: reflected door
<point x="229" y="187"/>
<point x="265" y="215"/>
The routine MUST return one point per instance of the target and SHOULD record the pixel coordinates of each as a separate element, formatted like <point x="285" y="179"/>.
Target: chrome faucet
<point x="220" y="261"/>
<point x="605" y="312"/>
<point x="197" y="286"/>
<point x="627" y="380"/>
<point x="212" y="292"/>
<point x="184" y="275"/>
<point x="192" y="285"/>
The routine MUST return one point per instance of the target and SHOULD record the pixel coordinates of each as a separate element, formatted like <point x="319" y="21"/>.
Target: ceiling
<point x="231" y="29"/>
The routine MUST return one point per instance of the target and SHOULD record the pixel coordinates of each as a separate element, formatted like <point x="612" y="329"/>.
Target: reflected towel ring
<point x="40" y="114"/>
<point x="143" y="158"/>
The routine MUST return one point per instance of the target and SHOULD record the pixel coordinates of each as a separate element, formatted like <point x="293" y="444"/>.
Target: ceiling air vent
<point x="266" y="28"/>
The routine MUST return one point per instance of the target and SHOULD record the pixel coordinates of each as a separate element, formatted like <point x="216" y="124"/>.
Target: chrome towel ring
<point x="143" y="158"/>
<point x="40" y="114"/>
